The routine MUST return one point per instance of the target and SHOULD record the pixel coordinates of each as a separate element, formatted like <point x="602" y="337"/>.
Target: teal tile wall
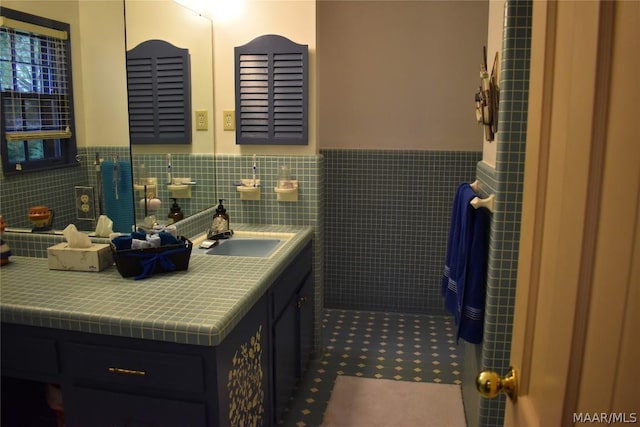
<point x="268" y="210"/>
<point x="308" y="210"/>
<point x="54" y="188"/>
<point x="387" y="221"/>
<point x="199" y="167"/>
<point x="506" y="182"/>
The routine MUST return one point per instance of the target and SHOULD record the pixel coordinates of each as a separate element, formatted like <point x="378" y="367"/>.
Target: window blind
<point x="35" y="81"/>
<point x="32" y="28"/>
<point x="36" y="93"/>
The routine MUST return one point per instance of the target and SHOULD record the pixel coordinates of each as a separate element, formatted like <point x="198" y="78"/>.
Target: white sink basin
<point x="253" y="247"/>
<point x="245" y="244"/>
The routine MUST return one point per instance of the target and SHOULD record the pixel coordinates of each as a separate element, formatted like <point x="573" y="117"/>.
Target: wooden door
<point x="576" y="325"/>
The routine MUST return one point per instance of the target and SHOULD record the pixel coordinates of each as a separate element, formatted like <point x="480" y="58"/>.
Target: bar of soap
<point x="207" y="244"/>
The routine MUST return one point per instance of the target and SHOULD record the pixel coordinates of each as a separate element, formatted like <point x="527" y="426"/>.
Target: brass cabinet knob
<point x="489" y="384"/>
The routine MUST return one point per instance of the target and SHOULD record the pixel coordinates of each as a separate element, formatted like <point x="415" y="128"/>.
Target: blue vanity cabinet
<point x="30" y="361"/>
<point x="110" y="381"/>
<point x="123" y="382"/>
<point x="31" y="355"/>
<point x="306" y="306"/>
<point x="292" y="328"/>
<point x="113" y="381"/>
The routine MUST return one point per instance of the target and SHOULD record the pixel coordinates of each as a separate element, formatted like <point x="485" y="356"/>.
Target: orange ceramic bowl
<point x="40" y="216"/>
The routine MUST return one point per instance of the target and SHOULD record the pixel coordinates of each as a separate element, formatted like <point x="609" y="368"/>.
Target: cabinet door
<point x="285" y="357"/>
<point x="306" y="306"/>
<point x="98" y="408"/>
<point x="29" y="353"/>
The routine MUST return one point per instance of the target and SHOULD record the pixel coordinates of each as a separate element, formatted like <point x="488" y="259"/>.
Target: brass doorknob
<point x="489" y="384"/>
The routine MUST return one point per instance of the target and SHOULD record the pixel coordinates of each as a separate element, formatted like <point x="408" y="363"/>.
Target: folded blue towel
<point x="122" y="242"/>
<point x="167" y="238"/>
<point x="139" y="235"/>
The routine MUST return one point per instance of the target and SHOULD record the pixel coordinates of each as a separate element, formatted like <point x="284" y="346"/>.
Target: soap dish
<point x="247" y="189"/>
<point x="287" y="191"/>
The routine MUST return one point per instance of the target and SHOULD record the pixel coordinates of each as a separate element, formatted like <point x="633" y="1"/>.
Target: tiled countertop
<point x="198" y="306"/>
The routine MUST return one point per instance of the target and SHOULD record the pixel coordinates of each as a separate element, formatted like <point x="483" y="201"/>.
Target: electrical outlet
<point x="85" y="203"/>
<point x="229" y="120"/>
<point x="202" y="120"/>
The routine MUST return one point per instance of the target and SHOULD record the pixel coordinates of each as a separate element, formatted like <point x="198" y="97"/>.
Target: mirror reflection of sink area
<point x="244" y="244"/>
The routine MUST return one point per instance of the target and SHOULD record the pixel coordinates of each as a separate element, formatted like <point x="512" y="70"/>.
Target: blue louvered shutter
<point x="272" y="92"/>
<point x="159" y="88"/>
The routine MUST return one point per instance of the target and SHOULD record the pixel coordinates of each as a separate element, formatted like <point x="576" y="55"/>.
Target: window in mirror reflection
<point x="37" y="99"/>
<point x="159" y="92"/>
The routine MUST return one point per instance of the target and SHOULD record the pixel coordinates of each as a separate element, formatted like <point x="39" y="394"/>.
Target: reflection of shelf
<point x="152" y="187"/>
<point x="180" y="188"/>
<point x="288" y="193"/>
<point x="248" y="191"/>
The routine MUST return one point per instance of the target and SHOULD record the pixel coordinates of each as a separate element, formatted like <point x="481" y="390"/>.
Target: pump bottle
<point x="175" y="213"/>
<point x="220" y="222"/>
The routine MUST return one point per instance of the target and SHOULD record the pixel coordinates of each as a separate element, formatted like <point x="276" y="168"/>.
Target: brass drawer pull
<point x="128" y="371"/>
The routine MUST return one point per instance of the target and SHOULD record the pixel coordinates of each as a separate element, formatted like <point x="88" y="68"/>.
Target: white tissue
<point x="154" y="240"/>
<point x="140" y="244"/>
<point x="171" y="229"/>
<point x="76" y="239"/>
<point x="104" y="227"/>
<point x="149" y="221"/>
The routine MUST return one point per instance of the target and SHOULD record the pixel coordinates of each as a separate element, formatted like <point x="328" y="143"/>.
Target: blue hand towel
<point x="463" y="283"/>
<point x="119" y="209"/>
<point x="457" y="246"/>
<point x="472" y="294"/>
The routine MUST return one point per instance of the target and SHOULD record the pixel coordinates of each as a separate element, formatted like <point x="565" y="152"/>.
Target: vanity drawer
<point x="134" y="368"/>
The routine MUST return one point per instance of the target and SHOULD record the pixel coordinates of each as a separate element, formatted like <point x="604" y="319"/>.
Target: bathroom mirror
<point x="181" y="171"/>
<point x="101" y="33"/>
<point x="97" y="42"/>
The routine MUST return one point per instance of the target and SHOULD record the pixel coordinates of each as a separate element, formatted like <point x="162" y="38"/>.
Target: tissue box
<point x="95" y="258"/>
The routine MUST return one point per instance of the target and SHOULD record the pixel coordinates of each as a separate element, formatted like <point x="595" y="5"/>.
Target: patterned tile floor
<point x="404" y="347"/>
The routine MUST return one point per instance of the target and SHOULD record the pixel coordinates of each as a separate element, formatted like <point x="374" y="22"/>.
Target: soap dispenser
<point x="220" y="222"/>
<point x="175" y="213"/>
